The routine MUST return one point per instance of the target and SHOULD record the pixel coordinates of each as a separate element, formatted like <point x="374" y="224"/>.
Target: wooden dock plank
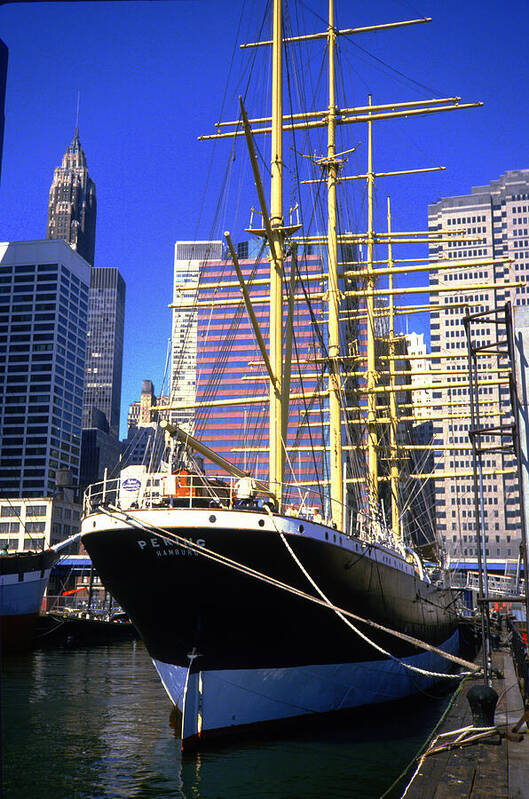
<point x="497" y="768"/>
<point x="517" y="752"/>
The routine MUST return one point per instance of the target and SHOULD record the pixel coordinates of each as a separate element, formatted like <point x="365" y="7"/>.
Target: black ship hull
<point x="199" y="616"/>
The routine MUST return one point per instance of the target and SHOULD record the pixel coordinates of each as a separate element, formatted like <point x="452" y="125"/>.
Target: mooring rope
<point x="426" y="744"/>
<point x="464" y="737"/>
<point x="168" y="535"/>
<point x="349" y="624"/>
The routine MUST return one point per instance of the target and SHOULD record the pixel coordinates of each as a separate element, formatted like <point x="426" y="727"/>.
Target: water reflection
<point x="95" y="722"/>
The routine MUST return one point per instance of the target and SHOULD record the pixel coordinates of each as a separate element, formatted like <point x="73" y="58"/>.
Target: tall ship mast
<point x="253" y="607"/>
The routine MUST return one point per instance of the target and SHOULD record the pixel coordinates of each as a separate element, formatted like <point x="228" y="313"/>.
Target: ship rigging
<point x="247" y="602"/>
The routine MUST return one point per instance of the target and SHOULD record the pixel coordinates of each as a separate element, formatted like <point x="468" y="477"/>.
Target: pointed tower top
<point x="72" y="203"/>
<point x="75" y="147"/>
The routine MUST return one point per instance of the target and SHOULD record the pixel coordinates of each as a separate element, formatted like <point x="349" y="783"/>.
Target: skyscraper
<point x="188" y="257"/>
<point x="216" y="357"/>
<point x="498" y="216"/>
<point x="104" y="352"/>
<point x="43" y="324"/>
<point x="230" y="365"/>
<point x="72" y="202"/>
<point x="420" y="374"/>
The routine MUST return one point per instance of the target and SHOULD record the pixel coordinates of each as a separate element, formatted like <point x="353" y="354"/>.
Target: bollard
<point x="482" y="701"/>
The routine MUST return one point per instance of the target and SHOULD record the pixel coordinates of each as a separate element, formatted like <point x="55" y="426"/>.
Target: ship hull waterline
<point x="23" y="580"/>
<point x="232" y="650"/>
<point x="230" y="702"/>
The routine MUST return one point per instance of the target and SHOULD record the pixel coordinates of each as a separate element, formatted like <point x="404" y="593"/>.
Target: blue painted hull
<point x="213" y="703"/>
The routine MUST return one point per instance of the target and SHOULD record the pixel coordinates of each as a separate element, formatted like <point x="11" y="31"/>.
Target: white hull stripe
<point x="187" y="521"/>
<point x="29" y="577"/>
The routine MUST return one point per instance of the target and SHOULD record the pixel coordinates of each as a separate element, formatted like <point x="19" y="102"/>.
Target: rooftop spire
<point x="72" y="200"/>
<point x="76" y="134"/>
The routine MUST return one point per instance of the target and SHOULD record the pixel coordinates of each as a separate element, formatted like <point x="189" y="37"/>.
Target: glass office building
<point x="104" y="355"/>
<point x="229" y="365"/>
<point x="43" y="325"/>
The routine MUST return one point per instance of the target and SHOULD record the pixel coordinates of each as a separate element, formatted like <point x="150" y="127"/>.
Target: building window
<point x="9" y="527"/>
<point x="10" y="510"/>
<point x="34" y="543"/>
<point x="35" y="527"/>
<point x="36" y="510"/>
<point x="9" y="543"/>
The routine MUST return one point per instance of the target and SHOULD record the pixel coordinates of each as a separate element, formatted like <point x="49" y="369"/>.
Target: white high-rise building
<point x="498" y="216"/>
<point x="43" y="325"/>
<point x="420" y="368"/>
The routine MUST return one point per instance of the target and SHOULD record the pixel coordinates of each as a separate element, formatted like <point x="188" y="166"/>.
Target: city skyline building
<point x="421" y="513"/>
<point x="420" y="374"/>
<point x="215" y="356"/>
<point x="36" y="524"/>
<point x="104" y="352"/>
<point x="143" y="412"/>
<point x="495" y="221"/>
<point x="145" y="441"/>
<point x="230" y="365"/>
<point x="100" y="449"/>
<point x="43" y="325"/>
<point x="188" y="256"/>
<point x="72" y="205"/>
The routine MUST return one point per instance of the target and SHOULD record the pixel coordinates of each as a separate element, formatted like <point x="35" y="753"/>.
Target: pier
<point x="463" y="761"/>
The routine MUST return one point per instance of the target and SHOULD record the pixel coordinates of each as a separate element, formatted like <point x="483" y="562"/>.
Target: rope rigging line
<point x="169" y="535"/>
<point x="223" y="357"/>
<point x="364" y="637"/>
<point x="300" y="431"/>
<point x="316" y="327"/>
<point x="350" y="41"/>
<point x="430" y="738"/>
<point x="319" y="381"/>
<point x="304" y="419"/>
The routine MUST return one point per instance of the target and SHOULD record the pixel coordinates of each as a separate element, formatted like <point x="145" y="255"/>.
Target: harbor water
<point x="95" y="722"/>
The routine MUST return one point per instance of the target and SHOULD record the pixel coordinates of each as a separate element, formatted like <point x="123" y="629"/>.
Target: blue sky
<point x="152" y="77"/>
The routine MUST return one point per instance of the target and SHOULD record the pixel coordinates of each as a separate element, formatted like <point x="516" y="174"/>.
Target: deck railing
<point x="155" y="490"/>
<point x="185" y="490"/>
<point x="497" y="583"/>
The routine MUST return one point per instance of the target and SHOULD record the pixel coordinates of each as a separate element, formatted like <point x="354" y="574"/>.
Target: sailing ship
<point x="253" y="610"/>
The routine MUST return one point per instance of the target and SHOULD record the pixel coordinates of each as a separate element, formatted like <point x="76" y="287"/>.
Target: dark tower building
<point x="72" y="204"/>
<point x="104" y="353"/>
